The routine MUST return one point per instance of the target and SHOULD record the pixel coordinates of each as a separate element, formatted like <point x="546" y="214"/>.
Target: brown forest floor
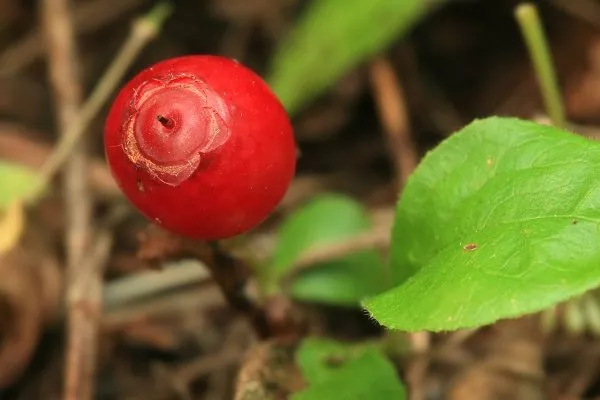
<point x="465" y="61"/>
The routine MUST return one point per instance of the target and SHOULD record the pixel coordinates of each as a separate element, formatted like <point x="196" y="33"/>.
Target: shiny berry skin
<point x="201" y="146"/>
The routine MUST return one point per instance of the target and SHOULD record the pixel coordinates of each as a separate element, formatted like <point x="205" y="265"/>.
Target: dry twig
<point x="193" y="300"/>
<point x="150" y="283"/>
<point x="232" y="274"/>
<point x="87" y="17"/>
<point x="143" y="30"/>
<point x="64" y="77"/>
<point x="394" y="116"/>
<point x="84" y="312"/>
<point x="85" y="280"/>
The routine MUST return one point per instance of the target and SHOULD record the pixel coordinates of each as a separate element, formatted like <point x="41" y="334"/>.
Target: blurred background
<point x="370" y="86"/>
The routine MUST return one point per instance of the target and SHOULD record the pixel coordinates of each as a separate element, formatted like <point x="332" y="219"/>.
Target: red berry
<point x="201" y="146"/>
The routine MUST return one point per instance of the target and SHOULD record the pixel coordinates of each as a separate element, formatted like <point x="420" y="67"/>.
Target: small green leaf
<point x="332" y="37"/>
<point x="337" y="371"/>
<point x="325" y="220"/>
<point x="319" y="359"/>
<point x="501" y="220"/>
<point x="343" y="282"/>
<point x="15" y="182"/>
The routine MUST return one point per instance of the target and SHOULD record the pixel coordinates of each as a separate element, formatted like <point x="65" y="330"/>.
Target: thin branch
<point x="84" y="299"/>
<point x="143" y="30"/>
<point x="84" y="289"/>
<point x="394" y="116"/>
<point x="64" y="77"/>
<point x="393" y="113"/>
<point x="189" y="298"/>
<point x="231" y="273"/>
<point x="87" y="17"/>
<point x="150" y="283"/>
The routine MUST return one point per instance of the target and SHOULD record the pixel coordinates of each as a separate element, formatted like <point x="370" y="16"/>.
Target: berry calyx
<point x="201" y="146"/>
<point x="177" y="119"/>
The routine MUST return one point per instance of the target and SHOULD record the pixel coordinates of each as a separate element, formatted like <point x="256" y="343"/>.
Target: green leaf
<point x="325" y="220"/>
<point x="15" y="182"/>
<point x="320" y="359"/>
<point x="338" y="371"/>
<point x="501" y="220"/>
<point x="343" y="282"/>
<point x="331" y="38"/>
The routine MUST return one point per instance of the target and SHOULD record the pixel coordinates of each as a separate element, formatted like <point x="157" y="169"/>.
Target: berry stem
<point x="144" y="30"/>
<point x="533" y="32"/>
<point x="232" y="275"/>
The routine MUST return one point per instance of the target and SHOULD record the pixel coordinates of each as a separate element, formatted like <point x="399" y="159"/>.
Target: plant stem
<point x="143" y="30"/>
<point x="533" y="32"/>
<point x="85" y="263"/>
<point x="63" y="74"/>
<point x="232" y="275"/>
